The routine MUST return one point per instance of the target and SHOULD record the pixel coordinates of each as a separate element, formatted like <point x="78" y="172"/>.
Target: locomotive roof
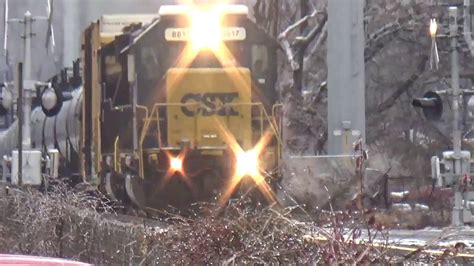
<point x="178" y="10"/>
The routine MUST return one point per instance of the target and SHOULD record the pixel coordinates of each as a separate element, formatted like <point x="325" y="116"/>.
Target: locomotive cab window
<point x="259" y="65"/>
<point x="149" y="61"/>
<point x="113" y="80"/>
<point x="109" y="78"/>
<point x="113" y="69"/>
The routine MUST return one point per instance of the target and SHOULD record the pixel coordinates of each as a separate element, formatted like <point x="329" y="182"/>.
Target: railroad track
<point x="430" y="241"/>
<point x="446" y="237"/>
<point x="433" y="241"/>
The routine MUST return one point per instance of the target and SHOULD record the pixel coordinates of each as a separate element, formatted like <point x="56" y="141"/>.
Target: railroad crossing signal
<point x="453" y="169"/>
<point x="431" y="104"/>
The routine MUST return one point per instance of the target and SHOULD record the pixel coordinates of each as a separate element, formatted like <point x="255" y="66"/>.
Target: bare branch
<point x="285" y="33"/>
<point x="304" y="41"/>
<point x="301" y="42"/>
<point x="287" y="47"/>
<point x="289" y="54"/>
<point x="377" y="40"/>
<point x="322" y="37"/>
<point x="390" y="101"/>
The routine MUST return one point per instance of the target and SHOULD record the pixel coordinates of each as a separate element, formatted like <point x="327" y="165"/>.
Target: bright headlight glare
<point x="206" y="29"/>
<point x="247" y="164"/>
<point x="176" y="164"/>
<point x="49" y="99"/>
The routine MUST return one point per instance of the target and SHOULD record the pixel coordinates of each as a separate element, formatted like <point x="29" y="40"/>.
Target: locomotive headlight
<point x="176" y="165"/>
<point x="206" y="32"/>
<point x="248" y="164"/>
<point x="49" y="99"/>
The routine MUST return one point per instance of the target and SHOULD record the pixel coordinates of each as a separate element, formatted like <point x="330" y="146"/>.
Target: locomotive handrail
<point x="148" y="120"/>
<point x="279" y="123"/>
<point x="263" y="116"/>
<point x="263" y="113"/>
<point x="274" y="108"/>
<point x="116" y="143"/>
<point x="123" y="107"/>
<point x="158" y="105"/>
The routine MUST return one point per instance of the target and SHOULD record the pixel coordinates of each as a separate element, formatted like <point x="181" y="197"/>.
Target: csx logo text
<point x="210" y="104"/>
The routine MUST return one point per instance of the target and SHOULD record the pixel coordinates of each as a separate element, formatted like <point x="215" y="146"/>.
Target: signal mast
<point x="453" y="169"/>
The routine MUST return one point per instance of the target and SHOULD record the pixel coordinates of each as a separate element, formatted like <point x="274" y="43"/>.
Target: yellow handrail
<point x="123" y="107"/>
<point x="274" y="108"/>
<point x="279" y="123"/>
<point x="149" y="117"/>
<point x="146" y="126"/>
<point x="140" y="149"/>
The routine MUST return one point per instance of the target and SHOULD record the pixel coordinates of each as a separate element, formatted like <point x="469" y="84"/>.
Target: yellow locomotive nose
<point x="201" y="99"/>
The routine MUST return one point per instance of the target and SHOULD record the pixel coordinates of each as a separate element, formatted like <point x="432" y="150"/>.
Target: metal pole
<point x="20" y="123"/>
<point x="346" y="75"/>
<point x="27" y="84"/>
<point x="27" y="47"/>
<point x="453" y="30"/>
<point x="71" y="21"/>
<point x="135" y="124"/>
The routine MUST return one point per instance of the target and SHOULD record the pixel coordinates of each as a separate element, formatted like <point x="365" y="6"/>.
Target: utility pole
<point x="20" y="122"/>
<point x="346" y="75"/>
<point x="453" y="32"/>
<point x="28" y="84"/>
<point x="459" y="204"/>
<point x="26" y="162"/>
<point x="72" y="10"/>
<point x="453" y="168"/>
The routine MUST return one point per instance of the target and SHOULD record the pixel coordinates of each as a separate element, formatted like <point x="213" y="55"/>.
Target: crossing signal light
<point x="432" y="105"/>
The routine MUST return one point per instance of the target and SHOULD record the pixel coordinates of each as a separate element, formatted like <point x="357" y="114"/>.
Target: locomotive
<point x="171" y="109"/>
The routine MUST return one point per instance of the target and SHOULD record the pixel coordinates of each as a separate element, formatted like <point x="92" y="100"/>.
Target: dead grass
<point x="239" y="233"/>
<point x="38" y="218"/>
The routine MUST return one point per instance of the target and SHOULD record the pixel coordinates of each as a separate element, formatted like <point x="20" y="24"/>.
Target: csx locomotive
<point x="178" y="107"/>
